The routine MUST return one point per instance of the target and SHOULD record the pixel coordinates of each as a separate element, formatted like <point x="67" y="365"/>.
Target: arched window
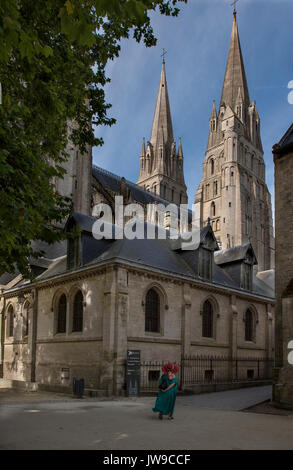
<point x="10" y="321"/>
<point x="207" y="191"/>
<point x="207" y="320"/>
<point x="77" y="320"/>
<point x="152" y="312"/>
<point x="215" y="188"/>
<point x="213" y="209"/>
<point x="61" y="314"/>
<point x="212" y="166"/>
<point x="218" y="225"/>
<point x="25" y="318"/>
<point x="249" y="326"/>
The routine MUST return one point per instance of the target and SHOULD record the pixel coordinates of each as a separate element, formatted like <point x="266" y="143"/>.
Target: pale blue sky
<point x="197" y="44"/>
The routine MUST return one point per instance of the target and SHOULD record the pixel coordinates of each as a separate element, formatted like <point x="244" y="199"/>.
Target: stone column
<point x="115" y="317"/>
<point x="120" y="341"/>
<point x="269" y="332"/>
<point x="107" y="360"/>
<point x="269" y="338"/>
<point x="185" y="328"/>
<point x="32" y="338"/>
<point x="186" y="320"/>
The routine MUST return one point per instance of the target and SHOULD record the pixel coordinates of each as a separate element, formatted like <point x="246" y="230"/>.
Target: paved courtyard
<point x="40" y="420"/>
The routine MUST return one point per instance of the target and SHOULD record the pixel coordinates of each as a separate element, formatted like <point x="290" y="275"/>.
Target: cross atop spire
<point x="163" y="55"/>
<point x="234" y="3"/>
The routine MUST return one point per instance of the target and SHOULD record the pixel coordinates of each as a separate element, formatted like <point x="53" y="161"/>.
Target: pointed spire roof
<point x="214" y="111"/>
<point x="142" y="153"/>
<point x="235" y="76"/>
<point x="162" y="116"/>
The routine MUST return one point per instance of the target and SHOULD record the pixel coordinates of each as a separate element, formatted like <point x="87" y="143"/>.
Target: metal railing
<point x="218" y="369"/>
<point x="202" y="369"/>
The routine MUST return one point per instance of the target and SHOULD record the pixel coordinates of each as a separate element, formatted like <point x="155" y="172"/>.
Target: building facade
<point x="283" y="160"/>
<point x="233" y="192"/>
<point x="80" y="317"/>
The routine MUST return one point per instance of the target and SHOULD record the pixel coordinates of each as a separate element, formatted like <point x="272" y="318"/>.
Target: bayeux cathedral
<point x="95" y="299"/>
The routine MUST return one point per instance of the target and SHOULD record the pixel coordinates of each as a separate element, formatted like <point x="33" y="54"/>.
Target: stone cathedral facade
<point x="233" y="191"/>
<point x="92" y="300"/>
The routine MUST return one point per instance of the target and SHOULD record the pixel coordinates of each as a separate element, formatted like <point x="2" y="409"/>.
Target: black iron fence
<point x="195" y="370"/>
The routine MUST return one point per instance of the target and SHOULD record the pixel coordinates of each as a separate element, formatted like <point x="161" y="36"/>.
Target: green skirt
<point x="165" y="402"/>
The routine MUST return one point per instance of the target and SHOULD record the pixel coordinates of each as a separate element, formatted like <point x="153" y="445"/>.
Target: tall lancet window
<point x="10" y="321"/>
<point x="212" y="166"/>
<point x="77" y="324"/>
<point x="249" y="325"/>
<point x="61" y="314"/>
<point x="215" y="188"/>
<point x="207" y="320"/>
<point x="152" y="311"/>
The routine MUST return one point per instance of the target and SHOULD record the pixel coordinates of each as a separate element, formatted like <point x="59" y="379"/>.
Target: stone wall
<point x="114" y="321"/>
<point x="283" y="389"/>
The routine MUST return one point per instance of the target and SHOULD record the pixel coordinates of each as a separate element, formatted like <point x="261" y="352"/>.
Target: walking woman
<point x="166" y="398"/>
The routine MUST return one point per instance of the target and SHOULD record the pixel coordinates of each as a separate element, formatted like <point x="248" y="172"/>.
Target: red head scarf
<point x="170" y="367"/>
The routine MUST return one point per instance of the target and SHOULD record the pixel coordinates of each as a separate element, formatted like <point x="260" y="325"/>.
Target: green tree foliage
<point x="53" y="55"/>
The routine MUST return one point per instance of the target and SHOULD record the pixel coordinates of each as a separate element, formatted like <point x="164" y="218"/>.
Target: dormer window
<point x="73" y="252"/>
<point x="205" y="264"/>
<point x="246" y="276"/>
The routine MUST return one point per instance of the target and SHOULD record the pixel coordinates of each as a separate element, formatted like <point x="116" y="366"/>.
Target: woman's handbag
<point x="163" y="385"/>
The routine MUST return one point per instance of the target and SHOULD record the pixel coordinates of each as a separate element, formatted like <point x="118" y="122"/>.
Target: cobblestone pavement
<point x="42" y="420"/>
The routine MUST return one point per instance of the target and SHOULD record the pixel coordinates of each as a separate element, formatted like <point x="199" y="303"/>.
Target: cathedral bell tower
<point x="161" y="165"/>
<point x="233" y="191"/>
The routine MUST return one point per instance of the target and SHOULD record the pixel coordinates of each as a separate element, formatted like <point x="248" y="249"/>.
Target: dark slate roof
<point x="267" y="277"/>
<point x="286" y="142"/>
<point x="85" y="222"/>
<point x="113" y="182"/>
<point x="262" y="288"/>
<point x="57" y="267"/>
<point x="7" y="277"/>
<point x="236" y="253"/>
<point x="40" y="265"/>
<point x="51" y="251"/>
<point x="154" y="254"/>
<point x="159" y="255"/>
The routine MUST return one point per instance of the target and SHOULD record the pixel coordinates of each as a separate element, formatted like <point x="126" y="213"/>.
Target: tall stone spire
<point x="161" y="168"/>
<point x="162" y="115"/>
<point x="233" y="192"/>
<point x="235" y="77"/>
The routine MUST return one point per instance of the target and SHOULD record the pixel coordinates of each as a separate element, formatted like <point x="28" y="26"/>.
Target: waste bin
<point x="78" y="387"/>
